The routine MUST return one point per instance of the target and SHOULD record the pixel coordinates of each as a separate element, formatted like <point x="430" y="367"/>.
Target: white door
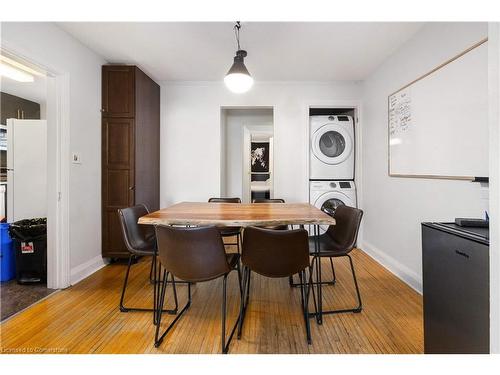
<point x="331" y="144"/>
<point x="26" y="169"/>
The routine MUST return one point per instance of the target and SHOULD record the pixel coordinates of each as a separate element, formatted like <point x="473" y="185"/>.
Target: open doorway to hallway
<point x="23" y="184"/>
<point x="247" y="168"/>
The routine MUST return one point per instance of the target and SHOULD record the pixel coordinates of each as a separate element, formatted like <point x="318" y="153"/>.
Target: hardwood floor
<point x="85" y="318"/>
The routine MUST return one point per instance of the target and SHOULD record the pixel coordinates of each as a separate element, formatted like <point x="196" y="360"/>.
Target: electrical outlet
<point x="75" y="158"/>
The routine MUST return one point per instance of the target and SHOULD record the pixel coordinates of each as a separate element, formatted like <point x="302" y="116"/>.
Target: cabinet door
<point x="456" y="293"/>
<point x="118" y="91"/>
<point x="29" y="110"/>
<point x="118" y="180"/>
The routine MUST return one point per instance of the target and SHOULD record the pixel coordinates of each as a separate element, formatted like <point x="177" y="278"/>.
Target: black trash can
<point x="30" y="244"/>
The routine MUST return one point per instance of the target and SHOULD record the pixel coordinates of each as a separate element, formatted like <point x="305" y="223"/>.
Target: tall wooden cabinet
<point x="130" y="148"/>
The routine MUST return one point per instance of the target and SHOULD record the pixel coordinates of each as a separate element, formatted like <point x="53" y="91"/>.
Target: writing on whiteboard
<point x="399" y="112"/>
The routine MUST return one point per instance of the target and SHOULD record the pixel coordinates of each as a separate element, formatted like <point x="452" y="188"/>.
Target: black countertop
<point x="481" y="235"/>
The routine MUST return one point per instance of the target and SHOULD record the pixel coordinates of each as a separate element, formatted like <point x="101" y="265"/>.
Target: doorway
<point x="35" y="108"/>
<point x="247" y="168"/>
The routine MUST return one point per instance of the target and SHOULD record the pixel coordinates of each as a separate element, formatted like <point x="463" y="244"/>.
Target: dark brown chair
<point x="140" y="240"/>
<point x="229" y="231"/>
<point x="338" y="241"/>
<point x="194" y="255"/>
<point x="275" y="253"/>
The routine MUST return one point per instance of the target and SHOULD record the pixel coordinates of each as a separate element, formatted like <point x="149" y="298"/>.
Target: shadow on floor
<point x="15" y="297"/>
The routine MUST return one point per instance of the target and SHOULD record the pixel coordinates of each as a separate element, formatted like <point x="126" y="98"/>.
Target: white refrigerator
<point x="26" y="169"/>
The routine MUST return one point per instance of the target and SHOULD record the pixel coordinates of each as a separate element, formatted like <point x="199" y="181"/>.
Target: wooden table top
<point x="238" y="214"/>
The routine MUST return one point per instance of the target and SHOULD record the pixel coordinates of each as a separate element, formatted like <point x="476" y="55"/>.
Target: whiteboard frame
<point x="442" y="177"/>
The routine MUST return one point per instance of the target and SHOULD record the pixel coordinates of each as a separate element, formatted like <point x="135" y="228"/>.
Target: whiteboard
<point x="438" y="124"/>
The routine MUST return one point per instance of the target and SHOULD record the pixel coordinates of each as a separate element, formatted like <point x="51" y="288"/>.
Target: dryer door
<point x="332" y="144"/>
<point x="329" y="202"/>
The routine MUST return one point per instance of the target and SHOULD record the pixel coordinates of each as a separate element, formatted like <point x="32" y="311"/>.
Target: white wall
<point x="494" y="120"/>
<point x="234" y="122"/>
<point x="395" y="207"/>
<point x="191" y="134"/>
<point x="48" y="45"/>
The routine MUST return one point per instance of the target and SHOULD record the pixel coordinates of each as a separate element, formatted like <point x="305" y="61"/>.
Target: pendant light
<point x="238" y="79"/>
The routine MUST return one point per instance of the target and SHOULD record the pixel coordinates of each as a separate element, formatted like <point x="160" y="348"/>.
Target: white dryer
<point x="328" y="195"/>
<point x="331" y="155"/>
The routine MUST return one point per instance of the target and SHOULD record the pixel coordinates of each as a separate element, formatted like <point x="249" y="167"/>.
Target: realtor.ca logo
<point x="27" y="247"/>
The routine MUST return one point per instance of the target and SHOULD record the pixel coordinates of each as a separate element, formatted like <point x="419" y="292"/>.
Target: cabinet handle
<point x="131" y="187"/>
<point x="22" y="115"/>
<point x="18" y="114"/>
<point x="462" y="254"/>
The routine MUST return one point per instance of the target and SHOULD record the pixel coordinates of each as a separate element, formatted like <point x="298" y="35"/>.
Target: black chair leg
<point x="225" y="343"/>
<point x="245" y="298"/>
<point x="159" y="308"/>
<point x="304" y="296"/>
<point x="151" y="279"/>
<point x="124" y="308"/>
<point x="356" y="309"/>
<point x="333" y="271"/>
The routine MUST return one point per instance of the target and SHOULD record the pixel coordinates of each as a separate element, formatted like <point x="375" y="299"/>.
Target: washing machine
<point x="331" y="155"/>
<point x="328" y="195"/>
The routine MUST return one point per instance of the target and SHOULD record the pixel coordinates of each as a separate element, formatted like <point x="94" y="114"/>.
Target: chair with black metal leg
<point x="140" y="240"/>
<point x="338" y="241"/>
<point x="194" y="255"/>
<point x="275" y="254"/>
<point x="229" y="231"/>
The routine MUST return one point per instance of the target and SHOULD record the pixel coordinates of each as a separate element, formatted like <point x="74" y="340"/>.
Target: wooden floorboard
<point x="85" y="318"/>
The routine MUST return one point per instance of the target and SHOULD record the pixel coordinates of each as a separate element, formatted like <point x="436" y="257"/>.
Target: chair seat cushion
<point x="327" y="247"/>
<point x="229" y="231"/>
<point x="232" y="259"/>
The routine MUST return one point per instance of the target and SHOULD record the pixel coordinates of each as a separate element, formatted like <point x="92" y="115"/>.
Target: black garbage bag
<point x="28" y="229"/>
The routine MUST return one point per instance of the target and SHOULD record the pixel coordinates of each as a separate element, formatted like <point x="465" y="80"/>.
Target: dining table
<point x="245" y="215"/>
<point x="239" y="214"/>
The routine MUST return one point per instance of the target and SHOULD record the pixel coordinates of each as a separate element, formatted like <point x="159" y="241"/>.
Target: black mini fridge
<point x="455" y="263"/>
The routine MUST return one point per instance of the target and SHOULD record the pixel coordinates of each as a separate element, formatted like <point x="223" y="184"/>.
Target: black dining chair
<point x="275" y="254"/>
<point x="338" y="241"/>
<point x="229" y="231"/>
<point x="140" y="241"/>
<point x="194" y="255"/>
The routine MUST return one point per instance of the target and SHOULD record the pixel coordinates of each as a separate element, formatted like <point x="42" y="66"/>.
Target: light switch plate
<point x="75" y="158"/>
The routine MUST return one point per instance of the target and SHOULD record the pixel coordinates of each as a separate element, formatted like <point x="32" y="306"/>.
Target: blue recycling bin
<point x="7" y="254"/>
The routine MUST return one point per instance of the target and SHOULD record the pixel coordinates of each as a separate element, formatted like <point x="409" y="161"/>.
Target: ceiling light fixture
<point x="238" y="79"/>
<point x="9" y="71"/>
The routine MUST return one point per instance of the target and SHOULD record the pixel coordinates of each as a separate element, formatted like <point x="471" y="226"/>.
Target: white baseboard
<point x="86" y="269"/>
<point x="392" y="265"/>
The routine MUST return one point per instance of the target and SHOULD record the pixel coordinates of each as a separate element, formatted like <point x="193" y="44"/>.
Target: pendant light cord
<point x="237" y="28"/>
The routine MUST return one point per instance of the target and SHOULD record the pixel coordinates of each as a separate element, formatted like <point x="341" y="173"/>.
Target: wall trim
<point x="86" y="269"/>
<point x="409" y="277"/>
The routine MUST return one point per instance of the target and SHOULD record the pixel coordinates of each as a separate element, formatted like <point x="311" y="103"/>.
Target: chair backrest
<point x="345" y="231"/>
<point x="136" y="237"/>
<point x="192" y="254"/>
<point x="275" y="253"/>
<point x="274" y="200"/>
<point x="224" y="200"/>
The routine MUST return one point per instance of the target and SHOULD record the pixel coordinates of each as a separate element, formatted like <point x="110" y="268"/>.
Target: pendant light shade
<point x="238" y="79"/>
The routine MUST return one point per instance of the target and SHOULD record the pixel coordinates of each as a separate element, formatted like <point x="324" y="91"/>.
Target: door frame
<point x="248" y="131"/>
<point x="58" y="166"/>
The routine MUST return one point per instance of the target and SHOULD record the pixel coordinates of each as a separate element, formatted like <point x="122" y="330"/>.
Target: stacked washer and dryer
<point x="331" y="162"/>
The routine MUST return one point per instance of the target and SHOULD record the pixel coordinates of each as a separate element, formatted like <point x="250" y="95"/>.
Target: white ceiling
<point x="277" y="51"/>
